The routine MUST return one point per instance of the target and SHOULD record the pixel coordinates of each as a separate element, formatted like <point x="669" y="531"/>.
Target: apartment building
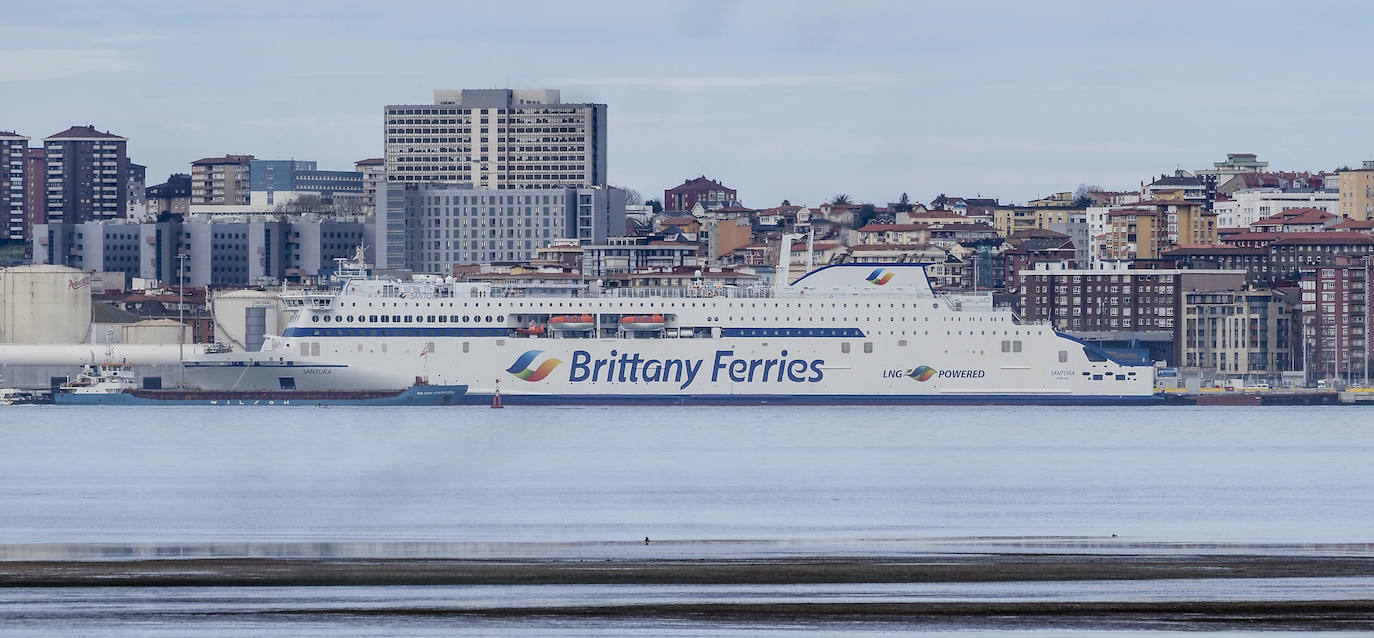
<point x="87" y="174"/>
<point x="497" y="139"/>
<point x="1335" y="319"/>
<point x="1357" y="192"/>
<point x="220" y="182"/>
<point x="1238" y="332"/>
<point x="14" y="149"/>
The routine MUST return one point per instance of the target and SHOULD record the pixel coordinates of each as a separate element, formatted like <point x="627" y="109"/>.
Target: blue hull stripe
<point x="396" y="332"/>
<point x="808" y="399"/>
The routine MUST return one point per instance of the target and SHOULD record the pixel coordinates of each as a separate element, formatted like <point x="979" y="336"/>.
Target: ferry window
<point x="315" y="349"/>
<point x="1063" y="356"/>
<point x="443" y="318"/>
<point x="844" y="347"/>
<point x="488" y="318"/>
<point x="430" y="318"/>
<point x="453" y="318"/>
<point x="901" y="342"/>
<point x="315" y="318"/>
<point x="372" y="318"/>
<point x="386" y="318"/>
<point x="409" y="318"/>
<point x="305" y="349"/>
<point x="350" y="318"/>
<point x="383" y="348"/>
<point x="1016" y="346"/>
<point x="465" y="320"/>
<point x="868" y="347"/>
<point x="326" y="318"/>
<point x="396" y="318"/>
<point x="500" y="318"/>
<point x="465" y="346"/>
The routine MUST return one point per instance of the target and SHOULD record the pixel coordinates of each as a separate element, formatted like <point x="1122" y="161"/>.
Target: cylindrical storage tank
<point x="44" y="304"/>
<point x="255" y="326"/>
<point x="230" y="316"/>
<point x="155" y="331"/>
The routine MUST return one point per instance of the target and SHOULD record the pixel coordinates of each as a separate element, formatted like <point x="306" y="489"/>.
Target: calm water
<point x="178" y="475"/>
<point x="593" y="482"/>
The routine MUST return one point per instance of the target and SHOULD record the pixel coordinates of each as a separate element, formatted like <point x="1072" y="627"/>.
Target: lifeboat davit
<point x="571" y="322"/>
<point x="642" y="322"/>
<point x="534" y="330"/>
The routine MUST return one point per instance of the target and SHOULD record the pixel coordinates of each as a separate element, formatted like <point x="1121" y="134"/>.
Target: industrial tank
<point x="44" y="304"/>
<point x="155" y="331"/>
<point x="234" y="310"/>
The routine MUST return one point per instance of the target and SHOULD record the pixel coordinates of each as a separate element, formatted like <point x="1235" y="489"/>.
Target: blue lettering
<point x="691" y="372"/>
<point x="796" y="370"/>
<point x="817" y="375"/>
<point x="720" y="364"/>
<point x="580" y="370"/>
<point x="653" y="368"/>
<point x="737" y="369"/>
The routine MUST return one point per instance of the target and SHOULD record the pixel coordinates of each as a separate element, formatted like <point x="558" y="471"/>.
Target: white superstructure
<point x="853" y="333"/>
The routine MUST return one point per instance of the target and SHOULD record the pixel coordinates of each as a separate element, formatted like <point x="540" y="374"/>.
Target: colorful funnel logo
<point x="521" y="368"/>
<point x="879" y="277"/>
<point x="922" y="373"/>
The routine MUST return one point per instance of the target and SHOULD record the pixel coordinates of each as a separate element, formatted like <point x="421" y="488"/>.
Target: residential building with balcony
<point x="87" y="175"/>
<point x="14" y="150"/>
<point x="1243" y="333"/>
<point x="1335" y="319"/>
<point x="1357" y="192"/>
<point x="700" y="190"/>
<point x="220" y="184"/>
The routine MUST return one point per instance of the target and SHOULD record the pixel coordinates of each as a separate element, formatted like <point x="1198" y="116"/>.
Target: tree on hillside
<point x="866" y="214"/>
<point x="841" y="198"/>
<point x="656" y="205"/>
<point x="903" y="204"/>
<point x="785" y="203"/>
<point x="940" y="202"/>
<point x="1080" y="195"/>
<point x="632" y="196"/>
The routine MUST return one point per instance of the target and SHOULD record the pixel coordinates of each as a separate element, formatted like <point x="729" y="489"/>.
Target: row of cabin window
<point x="411" y="319"/>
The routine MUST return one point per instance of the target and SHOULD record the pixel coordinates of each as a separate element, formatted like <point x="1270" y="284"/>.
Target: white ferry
<point x="844" y="334"/>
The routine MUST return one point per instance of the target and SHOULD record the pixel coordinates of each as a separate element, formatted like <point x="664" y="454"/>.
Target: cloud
<point x="29" y="65"/>
<point x="693" y="84"/>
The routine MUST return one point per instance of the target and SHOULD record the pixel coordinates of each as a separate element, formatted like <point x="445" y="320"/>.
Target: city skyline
<point x="777" y="100"/>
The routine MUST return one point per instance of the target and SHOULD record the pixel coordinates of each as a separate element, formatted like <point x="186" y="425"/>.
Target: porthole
<point x="350" y="318"/>
<point x="500" y="318"/>
<point x="315" y="318"/>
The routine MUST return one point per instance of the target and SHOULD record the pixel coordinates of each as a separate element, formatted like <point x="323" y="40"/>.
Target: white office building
<point x="497" y="139"/>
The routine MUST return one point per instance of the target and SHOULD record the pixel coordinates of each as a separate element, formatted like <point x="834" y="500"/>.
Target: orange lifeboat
<point x="642" y="323"/>
<point x="571" y="322"/>
<point x="534" y="330"/>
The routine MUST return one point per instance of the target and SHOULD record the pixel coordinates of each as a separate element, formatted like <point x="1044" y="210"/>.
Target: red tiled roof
<point x="869" y="247"/>
<point x="678" y="221"/>
<point x="1354" y="224"/>
<point x="1345" y="238"/>
<point x="1219" y="249"/>
<point x="1296" y="216"/>
<point x="698" y="184"/>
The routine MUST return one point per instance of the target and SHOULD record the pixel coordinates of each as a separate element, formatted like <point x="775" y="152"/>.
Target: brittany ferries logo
<point x="879" y="277"/>
<point x="521" y="368"/>
<point x="921" y="373"/>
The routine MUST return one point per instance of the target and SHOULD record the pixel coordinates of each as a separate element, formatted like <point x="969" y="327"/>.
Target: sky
<point x="777" y="99"/>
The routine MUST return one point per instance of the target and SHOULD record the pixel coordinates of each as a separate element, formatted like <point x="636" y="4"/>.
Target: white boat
<point x="102" y="379"/>
<point x="844" y="334"/>
<point x="17" y="396"/>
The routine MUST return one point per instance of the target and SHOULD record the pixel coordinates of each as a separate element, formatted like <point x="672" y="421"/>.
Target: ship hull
<point x="419" y="395"/>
